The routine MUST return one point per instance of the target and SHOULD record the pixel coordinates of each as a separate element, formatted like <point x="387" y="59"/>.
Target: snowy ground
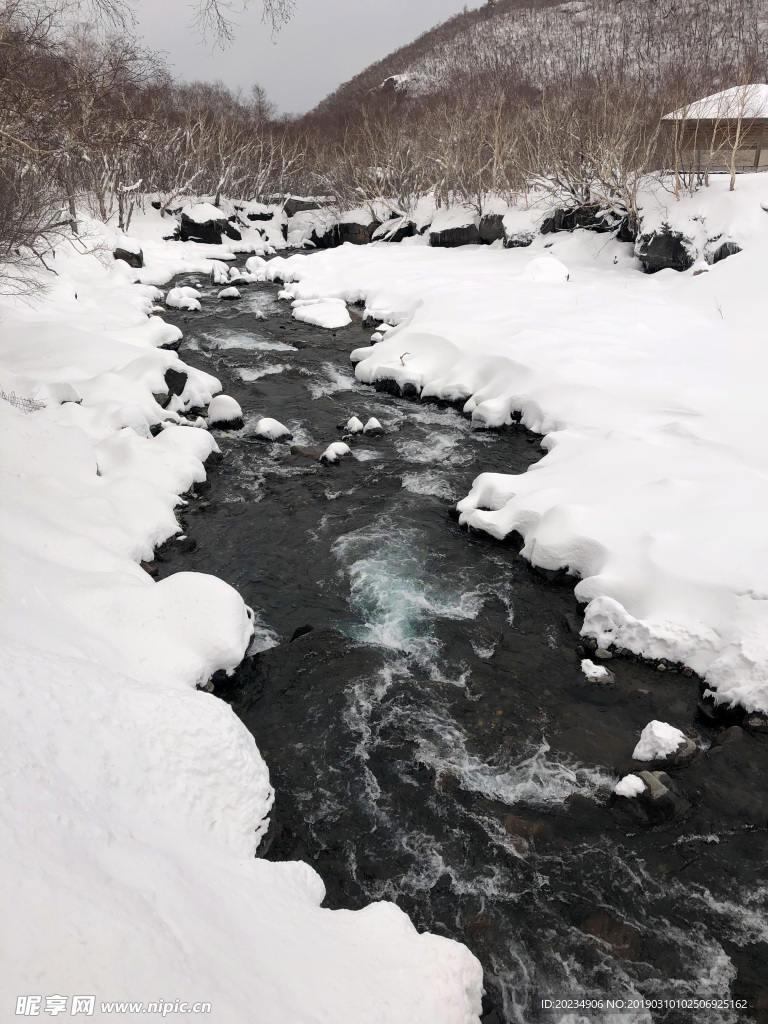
<point x="650" y="394"/>
<point x="133" y="802"/>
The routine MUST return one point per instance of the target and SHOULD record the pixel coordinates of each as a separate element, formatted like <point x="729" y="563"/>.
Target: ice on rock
<point x="229" y="293"/>
<point x="630" y="786"/>
<point x="184" y="298"/>
<point x="373" y="427"/>
<point x="658" y="741"/>
<point x="546" y="270"/>
<point x="354" y="425"/>
<point x="594" y="673"/>
<point x="225" y="412"/>
<point x="272" y="430"/>
<point x="335" y="451"/>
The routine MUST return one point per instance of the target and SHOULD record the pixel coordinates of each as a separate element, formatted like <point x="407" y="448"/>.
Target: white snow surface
<point x="133" y="803"/>
<point x="650" y="394"/>
<point x="354" y="425"/>
<point x="657" y="741"/>
<point x="331" y="314"/>
<point x="630" y="786"/>
<point x="184" y="298"/>
<point x="742" y="101"/>
<point x="224" y="409"/>
<point x="228" y="293"/>
<point x="202" y="213"/>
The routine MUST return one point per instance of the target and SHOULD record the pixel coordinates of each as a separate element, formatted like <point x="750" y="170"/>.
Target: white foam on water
<point x="264" y="637"/>
<point x="336" y="381"/>
<point x="248" y="341"/>
<point x="429" y="482"/>
<point x="252" y="373"/>
<point x="436" y="448"/>
<point x="365" y="454"/>
<point x="394" y="593"/>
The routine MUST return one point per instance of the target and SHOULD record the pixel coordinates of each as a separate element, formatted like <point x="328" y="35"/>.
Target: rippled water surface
<point x="433" y="741"/>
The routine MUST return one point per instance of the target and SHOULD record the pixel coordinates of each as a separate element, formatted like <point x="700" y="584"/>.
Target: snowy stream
<point x="433" y="741"/>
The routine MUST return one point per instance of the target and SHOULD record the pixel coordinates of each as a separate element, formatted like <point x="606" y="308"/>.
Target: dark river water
<point x="433" y="741"/>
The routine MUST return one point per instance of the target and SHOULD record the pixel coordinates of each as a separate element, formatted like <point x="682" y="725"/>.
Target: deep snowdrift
<point x="650" y="391"/>
<point x="134" y="803"/>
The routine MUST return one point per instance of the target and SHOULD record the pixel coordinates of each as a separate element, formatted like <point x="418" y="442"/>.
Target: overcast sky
<point x="326" y="43"/>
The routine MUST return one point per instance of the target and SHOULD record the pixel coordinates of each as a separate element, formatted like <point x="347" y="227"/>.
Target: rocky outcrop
<point x="356" y="231"/>
<point x="664" y="249"/>
<point x="491" y="228"/>
<point x="724" y="251"/>
<point x="451" y="238"/>
<point x="134" y="258"/>
<point x="591" y="217"/>
<point x="203" y="223"/>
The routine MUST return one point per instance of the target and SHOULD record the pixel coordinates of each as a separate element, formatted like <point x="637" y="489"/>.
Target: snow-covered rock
<point x="456" y="226"/>
<point x="224" y="412"/>
<point x="373" y="427"/>
<point x="335" y="451"/>
<point x="630" y="786"/>
<point x="658" y="741"/>
<point x="203" y="222"/>
<point x="272" y="430"/>
<point x="331" y="314"/>
<point x="354" y="425"/>
<point x="595" y="673"/>
<point x="183" y="298"/>
<point x="229" y="293"/>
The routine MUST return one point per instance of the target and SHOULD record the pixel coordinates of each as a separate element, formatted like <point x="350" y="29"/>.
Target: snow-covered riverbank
<point x="650" y="391"/>
<point x="134" y="803"/>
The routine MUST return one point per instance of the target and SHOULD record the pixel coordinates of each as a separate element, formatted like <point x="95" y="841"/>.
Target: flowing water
<point x="432" y="740"/>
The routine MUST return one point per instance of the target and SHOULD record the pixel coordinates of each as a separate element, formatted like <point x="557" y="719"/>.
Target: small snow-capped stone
<point x="658" y="741"/>
<point x="335" y="451"/>
<point x="219" y="272"/>
<point x="630" y="786"/>
<point x="285" y="295"/>
<point x="272" y="430"/>
<point x="547" y="270"/>
<point x="225" y="412"/>
<point x="373" y="427"/>
<point x="229" y="293"/>
<point x="354" y="425"/>
<point x="383" y="328"/>
<point x="183" y="298"/>
<point x="594" y="673"/>
<point x="377" y="336"/>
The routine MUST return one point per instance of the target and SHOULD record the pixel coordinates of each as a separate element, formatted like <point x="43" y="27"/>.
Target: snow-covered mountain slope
<point x="650" y="391"/>
<point x="133" y="803"/>
<point x="536" y="42"/>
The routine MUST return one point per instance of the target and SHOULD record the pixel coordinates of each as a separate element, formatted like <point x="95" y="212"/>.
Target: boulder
<point x="225" y="413"/>
<point x="519" y="239"/>
<point x="272" y="430"/>
<point x="452" y="237"/>
<point x="664" y="249"/>
<point x="134" y="258"/>
<point x="232" y="232"/>
<point x="491" y="228"/>
<point x="296" y="204"/>
<point x="358" y="229"/>
<point x="723" y="252"/>
<point x="202" y="222"/>
<point x="590" y="217"/>
<point x="658" y="803"/>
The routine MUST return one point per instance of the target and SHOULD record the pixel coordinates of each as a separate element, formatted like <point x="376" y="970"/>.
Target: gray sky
<point x="326" y="43"/>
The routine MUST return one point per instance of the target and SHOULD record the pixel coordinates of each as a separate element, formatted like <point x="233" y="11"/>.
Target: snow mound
<point x="354" y="425"/>
<point x="255" y="264"/>
<point x="184" y="298"/>
<point x="229" y="293"/>
<point x="224" y="411"/>
<point x="272" y="430"/>
<point x="546" y="270"/>
<point x="332" y="314"/>
<point x="630" y="787"/>
<point x="658" y="741"/>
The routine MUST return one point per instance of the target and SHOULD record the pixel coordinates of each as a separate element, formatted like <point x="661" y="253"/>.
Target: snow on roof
<point x="745" y="101"/>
